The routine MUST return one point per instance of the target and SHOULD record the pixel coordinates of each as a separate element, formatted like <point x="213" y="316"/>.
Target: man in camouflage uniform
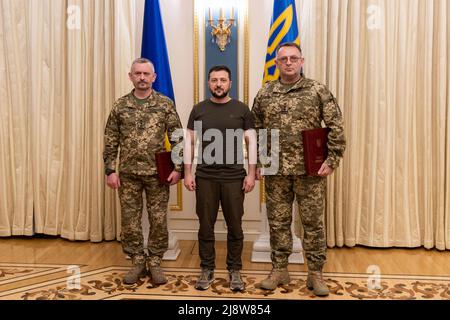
<point x="138" y="123"/>
<point x="292" y="104"/>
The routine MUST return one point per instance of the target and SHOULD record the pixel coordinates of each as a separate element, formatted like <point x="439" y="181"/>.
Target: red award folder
<point x="165" y="166"/>
<point x="315" y="149"/>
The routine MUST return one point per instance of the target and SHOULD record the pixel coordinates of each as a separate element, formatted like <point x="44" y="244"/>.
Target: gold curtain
<point x="62" y="65"/>
<point x="387" y="61"/>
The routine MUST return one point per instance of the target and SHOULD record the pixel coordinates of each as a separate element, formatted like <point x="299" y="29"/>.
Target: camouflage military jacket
<point x="292" y="109"/>
<point x="139" y="130"/>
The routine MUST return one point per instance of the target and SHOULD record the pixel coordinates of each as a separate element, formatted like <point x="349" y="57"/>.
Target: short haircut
<point x="289" y="44"/>
<point x="219" y="68"/>
<point x="142" y="60"/>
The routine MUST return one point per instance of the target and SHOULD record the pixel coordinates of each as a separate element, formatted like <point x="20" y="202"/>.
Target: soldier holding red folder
<point x="138" y="123"/>
<point x="291" y="105"/>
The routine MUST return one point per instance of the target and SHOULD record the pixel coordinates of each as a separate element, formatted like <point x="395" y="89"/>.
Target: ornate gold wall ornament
<point x="221" y="33"/>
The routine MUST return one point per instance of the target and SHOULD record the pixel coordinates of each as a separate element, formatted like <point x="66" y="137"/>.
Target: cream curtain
<point x="16" y="185"/>
<point x="387" y="61"/>
<point x="62" y="65"/>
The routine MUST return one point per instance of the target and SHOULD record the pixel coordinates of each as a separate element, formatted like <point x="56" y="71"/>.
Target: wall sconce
<point x="221" y="32"/>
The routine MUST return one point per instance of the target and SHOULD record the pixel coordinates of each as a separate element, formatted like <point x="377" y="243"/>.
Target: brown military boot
<point x="157" y="275"/>
<point x="275" y="278"/>
<point x="136" y="272"/>
<point x="316" y="283"/>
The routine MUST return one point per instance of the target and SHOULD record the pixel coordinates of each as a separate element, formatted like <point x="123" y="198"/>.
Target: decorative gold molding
<point x="196" y="58"/>
<point x="246" y="55"/>
<point x="262" y="194"/>
<point x="179" y="205"/>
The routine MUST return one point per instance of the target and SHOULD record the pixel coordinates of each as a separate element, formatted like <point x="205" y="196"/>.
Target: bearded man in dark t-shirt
<point x="220" y="125"/>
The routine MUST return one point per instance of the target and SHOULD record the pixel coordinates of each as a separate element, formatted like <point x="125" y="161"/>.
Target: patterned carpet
<point x="31" y="282"/>
<point x="14" y="272"/>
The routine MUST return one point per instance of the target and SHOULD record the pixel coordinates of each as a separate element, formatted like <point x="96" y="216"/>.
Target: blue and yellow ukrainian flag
<point x="154" y="48"/>
<point x="283" y="28"/>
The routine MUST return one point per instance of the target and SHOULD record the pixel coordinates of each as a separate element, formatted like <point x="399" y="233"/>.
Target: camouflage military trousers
<point x="131" y="203"/>
<point x="310" y="194"/>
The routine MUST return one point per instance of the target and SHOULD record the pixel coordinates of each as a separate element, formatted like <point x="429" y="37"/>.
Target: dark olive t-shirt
<point x="220" y="154"/>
